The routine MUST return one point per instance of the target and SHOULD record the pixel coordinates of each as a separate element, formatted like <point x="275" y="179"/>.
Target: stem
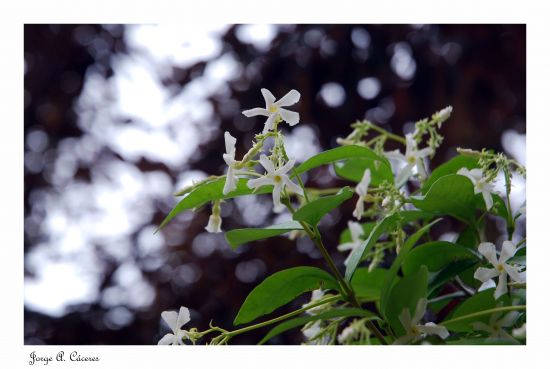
<point x="484" y="312"/>
<point x="282" y="317"/>
<point x="387" y="134"/>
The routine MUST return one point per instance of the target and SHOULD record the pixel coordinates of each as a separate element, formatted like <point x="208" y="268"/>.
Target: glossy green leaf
<point x="353" y="170"/>
<point x="435" y="255"/>
<point x="392" y="220"/>
<point x="449" y="272"/>
<point x="301" y="321"/>
<point x="483" y="300"/>
<point x="237" y="237"/>
<point x="344" y="153"/>
<point x="453" y="195"/>
<point x="450" y="167"/>
<point x="368" y="285"/>
<point x="281" y="288"/>
<point x="394" y="269"/>
<point x="312" y="212"/>
<point x="209" y="191"/>
<point x="405" y="295"/>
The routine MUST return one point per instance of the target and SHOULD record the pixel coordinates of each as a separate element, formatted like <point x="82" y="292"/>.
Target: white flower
<point x="415" y="330"/>
<point x="361" y="190"/>
<point x="356" y="233"/>
<point x="347" y="334"/>
<point x="520" y="332"/>
<point x="273" y="109"/>
<point x="413" y="158"/>
<point x="278" y="178"/>
<point x="311" y="332"/>
<point x="494" y="328"/>
<point x="316" y="295"/>
<point x="229" y="158"/>
<point x="175" y="321"/>
<point x="480" y="184"/>
<point x="501" y="268"/>
<point x="214" y="224"/>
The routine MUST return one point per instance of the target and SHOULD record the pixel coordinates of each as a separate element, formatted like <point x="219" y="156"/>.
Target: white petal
<point x="508" y="250"/>
<point x="268" y="126"/>
<point x="214" y="224"/>
<point x="395" y="155"/>
<point x="258" y="182"/>
<point x="502" y="286"/>
<point x="277" y="205"/>
<point x="286" y="168"/>
<point x="256" y="111"/>
<point x="363" y="185"/>
<point x="292" y="186"/>
<point x="291" y="117"/>
<point x="484" y="274"/>
<point x="290" y="98"/>
<point x="424" y="152"/>
<point x="486" y="285"/>
<point x="268" y="97"/>
<point x="411" y="144"/>
<point x="466" y="173"/>
<point x="404" y="174"/>
<point x="230" y="142"/>
<point x="347" y="246"/>
<point x="171" y="318"/>
<point x="356" y="230"/>
<point x="509" y="319"/>
<point x="514" y="274"/>
<point x="359" y="209"/>
<point x="421" y="168"/>
<point x="267" y="164"/>
<point x="183" y="316"/>
<point x="168" y="339"/>
<point x="488" y="250"/>
<point x="420" y="310"/>
<point x="488" y="198"/>
<point x="230" y="181"/>
<point x="477" y="174"/>
<point x="432" y="328"/>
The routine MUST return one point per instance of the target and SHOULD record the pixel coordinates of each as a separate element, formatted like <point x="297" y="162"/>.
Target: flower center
<point x="414" y="330"/>
<point x="277" y="178"/>
<point x="411" y="159"/>
<point x="272" y="109"/>
<point x="500" y="268"/>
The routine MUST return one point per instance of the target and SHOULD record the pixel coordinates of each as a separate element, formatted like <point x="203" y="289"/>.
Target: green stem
<point x="387" y="134"/>
<point x="282" y="317"/>
<point x="484" y="312"/>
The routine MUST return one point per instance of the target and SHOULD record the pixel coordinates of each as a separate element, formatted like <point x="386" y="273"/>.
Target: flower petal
<point x="432" y="328"/>
<point x="292" y="186"/>
<point x="421" y="168"/>
<point x="363" y="185"/>
<point x="359" y="209"/>
<point x="477" y="174"/>
<point x="258" y="182"/>
<point x="404" y="174"/>
<point x="214" y="224"/>
<point x="508" y="250"/>
<point x="485" y="274"/>
<point x="183" y="316"/>
<point x="502" y="286"/>
<point x="290" y="98"/>
<point x="256" y="111"/>
<point x="230" y="142"/>
<point x="171" y="318"/>
<point x="268" y="125"/>
<point x="267" y="164"/>
<point x="168" y="339"/>
<point x="230" y="181"/>
<point x="488" y="250"/>
<point x="424" y="152"/>
<point x="486" y="285"/>
<point x="291" y="117"/>
<point x="285" y="168"/>
<point x="277" y="205"/>
<point x="466" y="173"/>
<point x="514" y="274"/>
<point x="268" y="97"/>
<point x="395" y="155"/>
<point x="488" y="198"/>
<point x="356" y="230"/>
<point x="346" y="246"/>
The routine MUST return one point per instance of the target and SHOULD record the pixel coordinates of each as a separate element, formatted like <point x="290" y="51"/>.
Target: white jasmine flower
<point x="278" y="178"/>
<point x="356" y="233"/>
<point x="494" y="328"/>
<point x="415" y="330"/>
<point x="273" y="109"/>
<point x="520" y="332"/>
<point x="312" y="330"/>
<point x="501" y="268"/>
<point x="214" y="224"/>
<point x="316" y="295"/>
<point x="361" y="190"/>
<point x="480" y="184"/>
<point x="347" y="334"/>
<point x="229" y="158"/>
<point x="413" y="158"/>
<point x="175" y="321"/>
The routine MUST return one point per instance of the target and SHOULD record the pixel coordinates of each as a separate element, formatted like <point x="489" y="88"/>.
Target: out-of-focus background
<point x="119" y="117"/>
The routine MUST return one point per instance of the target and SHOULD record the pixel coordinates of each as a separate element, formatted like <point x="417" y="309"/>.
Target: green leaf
<point x="392" y="272"/>
<point x="349" y="152"/>
<point x="281" y="288"/>
<point x="453" y="195"/>
<point x="483" y="300"/>
<point x="353" y="169"/>
<point x="483" y="341"/>
<point x="405" y="295"/>
<point x="368" y="285"/>
<point x="448" y="272"/>
<point x="312" y="212"/>
<point x="299" y="322"/>
<point x="450" y="167"/>
<point x="381" y="227"/>
<point x="237" y="237"/>
<point x="435" y="255"/>
<point x="345" y="236"/>
<point x="209" y="191"/>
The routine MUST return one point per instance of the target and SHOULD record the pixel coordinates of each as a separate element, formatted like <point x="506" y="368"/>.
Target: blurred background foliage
<point x="118" y="118"/>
